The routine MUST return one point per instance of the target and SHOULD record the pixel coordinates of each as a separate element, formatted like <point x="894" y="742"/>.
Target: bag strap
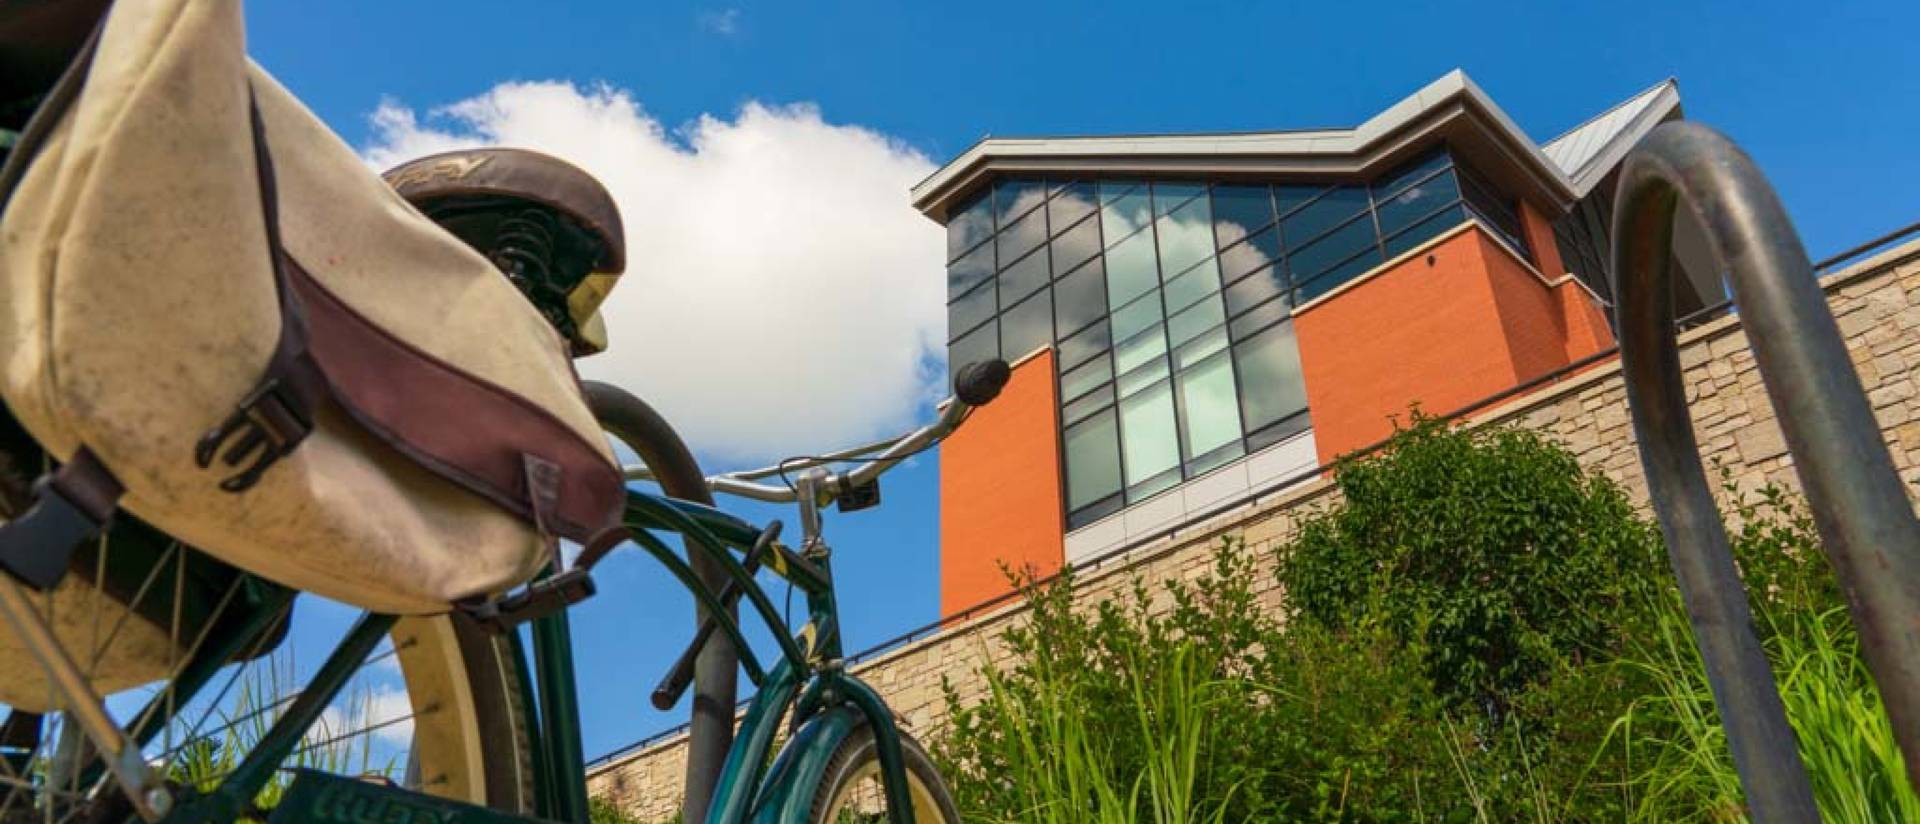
<point x="278" y="414"/>
<point x="71" y="506"/>
<point x="473" y="433"/>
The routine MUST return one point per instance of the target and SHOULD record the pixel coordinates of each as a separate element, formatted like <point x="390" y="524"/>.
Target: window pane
<point x="1080" y="298"/>
<point x="1170" y="196"/>
<point x="1334" y="248"/>
<point x="1271" y="386"/>
<point x="1425" y="230"/>
<point x="1333" y="278"/>
<point x="1013" y="198"/>
<point x="1197" y="350"/>
<point x="1239" y="211"/>
<point x="969" y="226"/>
<point x="1093" y="460"/>
<point x="1289" y="198"/>
<point x="981" y="344"/>
<point x="1153" y="485"/>
<point x="1260" y="317"/>
<point x="1022" y="236"/>
<point x="1330" y="210"/>
<point x="1076" y="245"/>
<point x="1209" y="409"/>
<point x="1095" y="511"/>
<point x="1027" y="327"/>
<point x="1069" y="205"/>
<point x="1409" y="173"/>
<point x="1408" y="207"/>
<point x="1136" y="352"/>
<point x="1085" y="378"/>
<point x="1022" y="278"/>
<point x="969" y="271"/>
<point x="1199" y="318"/>
<point x="1086" y="405"/>
<point x="1279" y="431"/>
<point x="1125" y="214"/>
<point x="1134" y="317"/>
<point x="970" y="310"/>
<point x="1148" y="440"/>
<point x="1255" y="289"/>
<point x="1197" y="283"/>
<point x="1130" y="269"/>
<point x="1084" y="344"/>
<point x="1261" y="249"/>
<point x="1147" y="375"/>
<point x="1186" y="237"/>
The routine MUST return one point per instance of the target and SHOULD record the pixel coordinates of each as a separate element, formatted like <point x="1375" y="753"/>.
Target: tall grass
<point x="1845" y="738"/>
<point x="1058" y="771"/>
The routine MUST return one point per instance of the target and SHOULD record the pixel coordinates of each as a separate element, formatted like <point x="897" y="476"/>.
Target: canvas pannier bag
<point x="213" y="306"/>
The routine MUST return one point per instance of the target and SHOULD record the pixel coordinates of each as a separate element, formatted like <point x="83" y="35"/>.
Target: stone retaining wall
<point x="1877" y="305"/>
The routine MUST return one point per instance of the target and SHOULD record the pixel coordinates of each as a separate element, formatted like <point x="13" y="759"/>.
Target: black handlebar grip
<point x="978" y="383"/>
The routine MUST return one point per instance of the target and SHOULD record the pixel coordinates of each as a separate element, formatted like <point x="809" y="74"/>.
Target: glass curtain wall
<point x="1169" y="303"/>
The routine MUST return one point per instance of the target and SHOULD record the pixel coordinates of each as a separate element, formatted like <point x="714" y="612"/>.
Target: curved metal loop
<point x="1866" y="523"/>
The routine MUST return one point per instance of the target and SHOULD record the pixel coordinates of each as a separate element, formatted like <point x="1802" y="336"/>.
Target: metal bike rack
<point x="1866" y="524"/>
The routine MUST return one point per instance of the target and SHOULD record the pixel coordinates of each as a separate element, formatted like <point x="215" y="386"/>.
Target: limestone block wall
<point x="1876" y="303"/>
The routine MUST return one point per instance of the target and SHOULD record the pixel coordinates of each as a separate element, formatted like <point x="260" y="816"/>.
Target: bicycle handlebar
<point x="974" y="385"/>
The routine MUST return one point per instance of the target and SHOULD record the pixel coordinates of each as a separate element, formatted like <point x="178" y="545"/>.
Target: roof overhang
<point x="1589" y="152"/>
<point x="1451" y="108"/>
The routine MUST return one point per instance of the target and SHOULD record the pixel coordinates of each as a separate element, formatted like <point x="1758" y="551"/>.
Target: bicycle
<point x="509" y="748"/>
<point x="495" y="727"/>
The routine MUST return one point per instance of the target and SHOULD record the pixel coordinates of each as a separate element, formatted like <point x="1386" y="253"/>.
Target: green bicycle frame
<point x="808" y="685"/>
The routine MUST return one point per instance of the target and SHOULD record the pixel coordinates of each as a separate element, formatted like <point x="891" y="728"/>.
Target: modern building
<point x="1199" y="320"/>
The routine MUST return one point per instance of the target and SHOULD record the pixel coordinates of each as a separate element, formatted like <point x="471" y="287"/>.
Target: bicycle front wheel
<point x="851" y="790"/>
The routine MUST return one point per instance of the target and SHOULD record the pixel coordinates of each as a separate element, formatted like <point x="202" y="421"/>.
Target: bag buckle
<point x="267" y="424"/>
<point x="539" y="600"/>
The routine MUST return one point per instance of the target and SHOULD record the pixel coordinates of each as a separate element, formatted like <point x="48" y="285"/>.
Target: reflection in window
<point x="1124" y="209"/>
<point x="1269" y="365"/>
<point x="1170" y="196"/>
<point x="966" y="229"/>
<point x="1137" y="351"/>
<point x="1425" y="230"/>
<point x="1027" y="327"/>
<point x="1197" y="283"/>
<point x="1186" y="237"/>
<point x="1086" y="377"/>
<point x="1418" y="169"/>
<point x="1239" y="211"/>
<point x="1195" y="319"/>
<point x="1257" y="251"/>
<point x="1073" y="202"/>
<point x="969" y="271"/>
<point x="970" y="310"/>
<point x="1022" y="278"/>
<point x="1130" y="319"/>
<point x="1130" y="269"/>
<point x="1077" y="244"/>
<point x="1209" y="414"/>
<point x="1331" y="249"/>
<point x="1013" y="198"/>
<point x="1093" y="460"/>
<point x="1149" y="441"/>
<point x="978" y="345"/>
<point x="1255" y="289"/>
<point x="1080" y="298"/>
<point x="1332" y="209"/>
<point x="1021" y="237"/>
<point x="1084" y="344"/>
<point x="1409" y="207"/>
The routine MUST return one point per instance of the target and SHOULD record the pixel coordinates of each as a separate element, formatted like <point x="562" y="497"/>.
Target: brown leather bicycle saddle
<point x="551" y="227"/>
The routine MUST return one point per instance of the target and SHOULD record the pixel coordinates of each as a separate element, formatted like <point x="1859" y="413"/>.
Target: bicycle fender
<point x="802" y="765"/>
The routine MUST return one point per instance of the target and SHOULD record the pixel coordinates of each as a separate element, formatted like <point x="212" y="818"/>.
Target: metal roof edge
<point x="933" y="193"/>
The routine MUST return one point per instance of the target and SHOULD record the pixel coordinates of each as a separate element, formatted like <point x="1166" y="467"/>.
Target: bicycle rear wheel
<point x="850" y="790"/>
<point x="440" y="710"/>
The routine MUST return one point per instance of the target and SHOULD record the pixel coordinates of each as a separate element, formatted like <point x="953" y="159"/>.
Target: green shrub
<point x="1492" y="550"/>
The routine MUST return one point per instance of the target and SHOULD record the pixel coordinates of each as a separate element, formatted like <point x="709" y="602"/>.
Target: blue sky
<point x="1823" y="96"/>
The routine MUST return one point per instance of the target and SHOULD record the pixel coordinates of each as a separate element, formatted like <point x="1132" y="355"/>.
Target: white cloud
<point x="725" y="22"/>
<point x="782" y="297"/>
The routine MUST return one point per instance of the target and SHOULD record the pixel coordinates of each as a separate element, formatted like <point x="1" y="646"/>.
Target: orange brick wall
<point x="1000" y="488"/>
<point x="1443" y="328"/>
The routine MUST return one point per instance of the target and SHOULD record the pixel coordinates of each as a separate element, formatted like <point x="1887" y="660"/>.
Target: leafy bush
<point x="1477" y="630"/>
<point x="1493" y="550"/>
